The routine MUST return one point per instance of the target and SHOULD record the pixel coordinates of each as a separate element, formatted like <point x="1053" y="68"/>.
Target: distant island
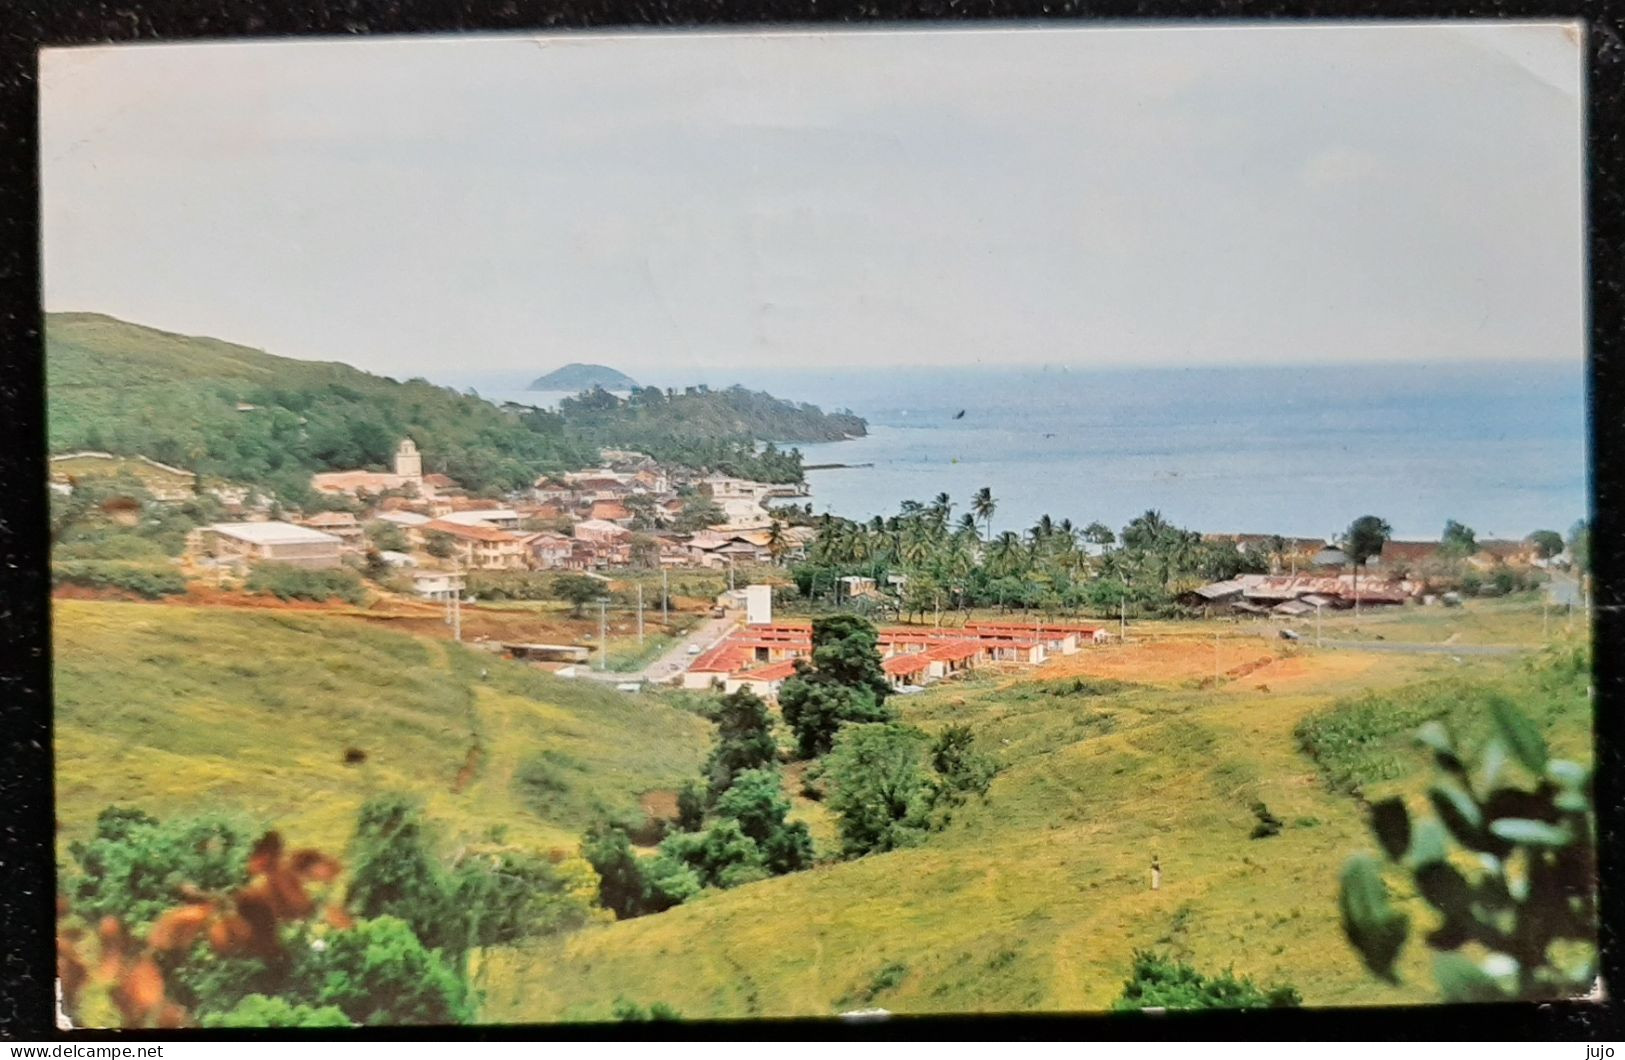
<point x="576" y="377"/>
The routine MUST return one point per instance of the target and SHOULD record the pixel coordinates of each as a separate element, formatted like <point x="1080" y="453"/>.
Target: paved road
<point x="1401" y="648"/>
<point x="676" y="658"/>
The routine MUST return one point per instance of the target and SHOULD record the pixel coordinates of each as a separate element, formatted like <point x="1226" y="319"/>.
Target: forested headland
<point x="230" y="412"/>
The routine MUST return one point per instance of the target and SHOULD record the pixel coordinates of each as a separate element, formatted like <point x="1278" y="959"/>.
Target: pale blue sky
<point x="675" y="202"/>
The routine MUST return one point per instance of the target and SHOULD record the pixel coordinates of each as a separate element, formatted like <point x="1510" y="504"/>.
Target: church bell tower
<point x="408" y="461"/>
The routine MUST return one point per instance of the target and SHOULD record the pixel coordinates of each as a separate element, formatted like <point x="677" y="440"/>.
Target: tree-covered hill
<point x="130" y="389"/>
<point x="237" y="413"/>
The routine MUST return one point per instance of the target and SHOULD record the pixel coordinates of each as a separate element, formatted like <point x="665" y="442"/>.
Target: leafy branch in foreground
<point x="1529" y="905"/>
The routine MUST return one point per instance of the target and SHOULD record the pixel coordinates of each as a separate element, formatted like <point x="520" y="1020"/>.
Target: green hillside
<point x="130" y="390"/>
<point x="242" y="414"/>
<point x="1035" y="900"/>
<point x="182" y="709"/>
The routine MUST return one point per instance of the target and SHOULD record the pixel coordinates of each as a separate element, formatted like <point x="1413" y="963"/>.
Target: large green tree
<point x="842" y="682"/>
<point x="879" y="789"/>
<point x="578" y="590"/>
<point x="1548" y="543"/>
<point x="744" y="739"/>
<point x="1458" y="538"/>
<point x="1365" y="537"/>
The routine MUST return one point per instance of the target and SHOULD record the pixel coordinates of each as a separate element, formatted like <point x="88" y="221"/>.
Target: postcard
<point x="749" y="524"/>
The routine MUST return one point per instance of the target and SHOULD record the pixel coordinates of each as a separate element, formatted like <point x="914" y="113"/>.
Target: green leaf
<point x="1571" y="802"/>
<point x="1392" y="825"/>
<point x="1526" y="832"/>
<point x="1436" y="738"/>
<point x="1460" y="814"/>
<point x="1492" y="763"/>
<point x="1429" y="842"/>
<point x="1460" y="979"/>
<point x="1570" y="775"/>
<point x="1444" y="887"/>
<point x="1373" y="927"/>
<point x="1520" y="734"/>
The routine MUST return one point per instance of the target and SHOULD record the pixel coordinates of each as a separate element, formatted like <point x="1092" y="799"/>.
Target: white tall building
<point x="758" y="605"/>
<point x="408" y="461"/>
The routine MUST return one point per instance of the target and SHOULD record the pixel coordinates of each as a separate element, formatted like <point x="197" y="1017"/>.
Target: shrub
<point x="146" y="580"/>
<point x="961" y="770"/>
<point x="394" y="874"/>
<point x="542" y="778"/>
<point x="744" y="739"/>
<point x="257" y="1010"/>
<point x="621" y="886"/>
<point x="887" y="977"/>
<point x="721" y="856"/>
<point x="630" y="1012"/>
<point x="1159" y="981"/>
<point x="134" y="867"/>
<point x="1268" y="824"/>
<point x="1354" y="742"/>
<point x="288" y="582"/>
<point x="1521" y="887"/>
<point x="690" y="807"/>
<point x="379" y="973"/>
<point x="505" y="896"/>
<point x="879" y="788"/>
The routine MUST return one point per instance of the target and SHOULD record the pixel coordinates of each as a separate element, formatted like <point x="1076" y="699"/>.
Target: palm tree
<point x="777" y="543"/>
<point x="984" y="506"/>
<point x="1006" y="552"/>
<point x="942" y="507"/>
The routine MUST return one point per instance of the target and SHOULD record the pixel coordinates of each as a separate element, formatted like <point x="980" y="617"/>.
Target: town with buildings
<point x="583" y="521"/>
<point x="622" y="516"/>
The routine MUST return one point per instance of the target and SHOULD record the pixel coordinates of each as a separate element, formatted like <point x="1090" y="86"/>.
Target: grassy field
<point x="181" y="709"/>
<point x="1035" y="900"/>
<point x="1519" y="620"/>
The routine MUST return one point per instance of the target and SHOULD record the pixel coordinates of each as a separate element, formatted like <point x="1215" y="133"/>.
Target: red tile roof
<point x="772" y="672"/>
<point x="904" y="665"/>
<point x="467" y="532"/>
<point x="1052" y="629"/>
<point x="961" y="649"/>
<point x="724" y="658"/>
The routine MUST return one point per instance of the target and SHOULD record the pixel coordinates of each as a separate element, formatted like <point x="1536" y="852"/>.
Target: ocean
<point x="1297" y="451"/>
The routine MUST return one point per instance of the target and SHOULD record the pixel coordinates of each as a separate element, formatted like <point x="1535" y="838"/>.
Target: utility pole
<point x="1122" y="619"/>
<point x="1545" y="610"/>
<point x="640" y="614"/>
<point x="1317" y="625"/>
<point x="665" y="596"/>
<point x="730" y="574"/>
<point x="457" y="615"/>
<point x="603" y="641"/>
